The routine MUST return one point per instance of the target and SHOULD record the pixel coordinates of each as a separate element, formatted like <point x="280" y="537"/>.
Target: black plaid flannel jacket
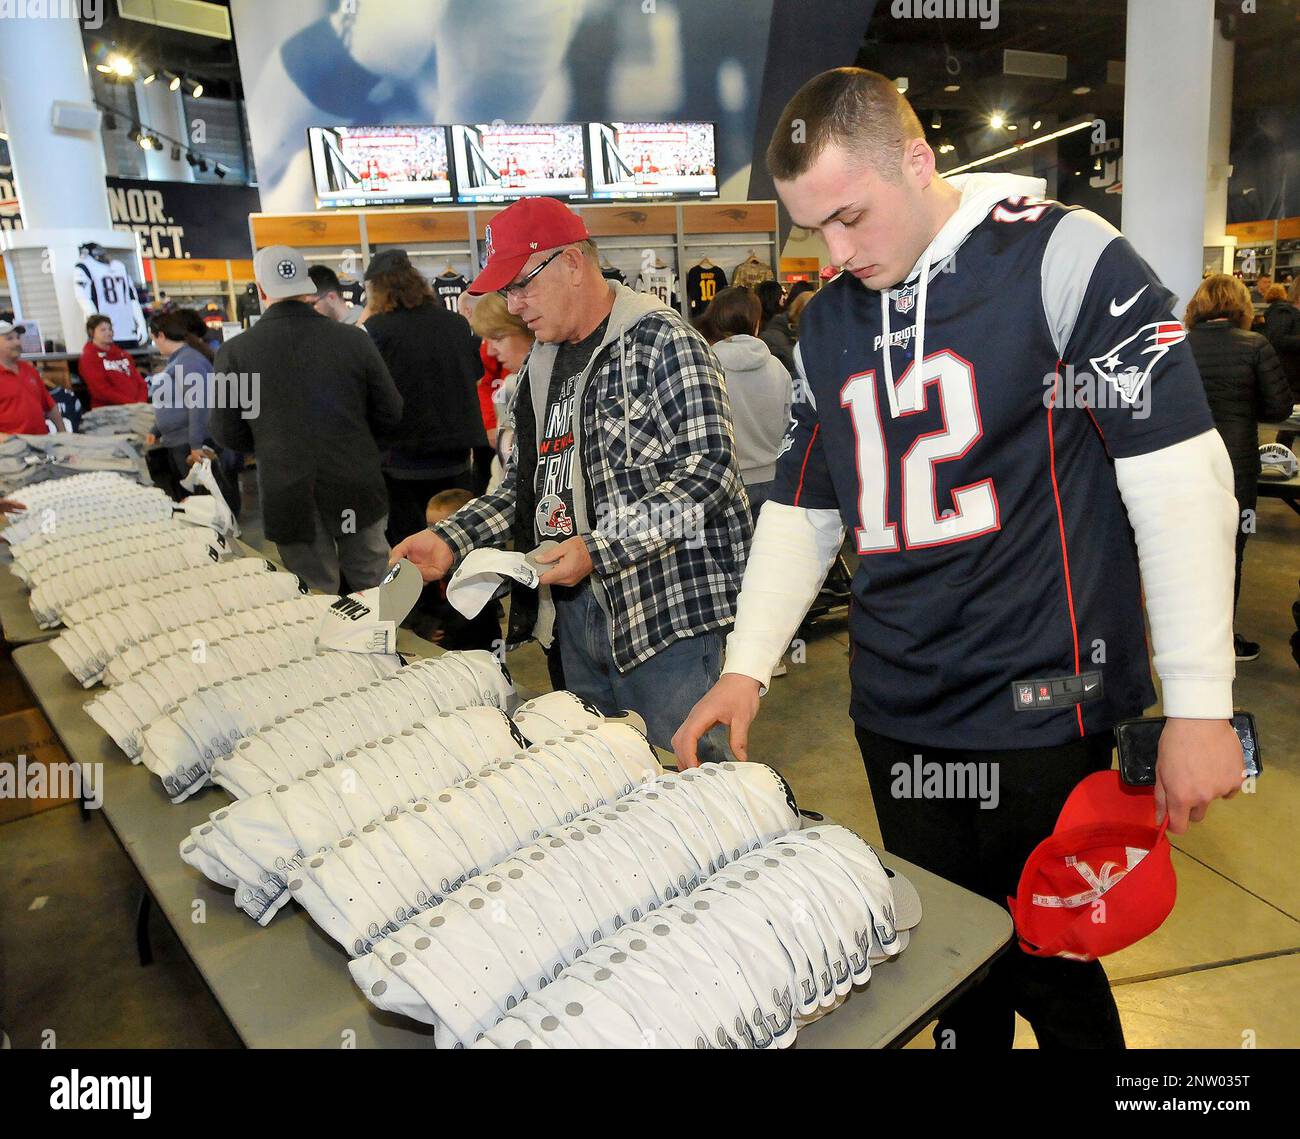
<point x="667" y="519"/>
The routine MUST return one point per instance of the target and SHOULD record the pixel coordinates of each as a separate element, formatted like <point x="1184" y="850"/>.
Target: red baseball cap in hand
<point x="1103" y="880"/>
<point x="520" y="230"/>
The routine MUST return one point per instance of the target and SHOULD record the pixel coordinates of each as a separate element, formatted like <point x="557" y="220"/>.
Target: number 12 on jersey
<point x="974" y="507"/>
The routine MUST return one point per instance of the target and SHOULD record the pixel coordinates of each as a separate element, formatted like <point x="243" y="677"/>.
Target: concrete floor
<point x="1223" y="971"/>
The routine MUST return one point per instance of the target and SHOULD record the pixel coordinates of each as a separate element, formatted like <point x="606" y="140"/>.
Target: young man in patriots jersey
<point x="1012" y="495"/>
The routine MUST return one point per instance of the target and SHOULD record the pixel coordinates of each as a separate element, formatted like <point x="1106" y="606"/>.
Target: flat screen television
<point x="498" y="162"/>
<point x="652" y="160"/>
<point x="375" y="166"/>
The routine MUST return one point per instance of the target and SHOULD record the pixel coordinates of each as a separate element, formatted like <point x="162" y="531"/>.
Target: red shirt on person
<point x="23" y="400"/>
<point x="493" y="373"/>
<point x="111" y="376"/>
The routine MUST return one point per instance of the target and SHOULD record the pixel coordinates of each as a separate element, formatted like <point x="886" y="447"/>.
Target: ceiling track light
<point x="175" y="83"/>
<point x="198" y="90"/>
<point x="149" y="78"/>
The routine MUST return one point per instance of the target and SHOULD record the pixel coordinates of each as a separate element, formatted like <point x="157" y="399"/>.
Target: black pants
<point x="407" y="499"/>
<point x="1247" y="492"/>
<point x="1068" y="1003"/>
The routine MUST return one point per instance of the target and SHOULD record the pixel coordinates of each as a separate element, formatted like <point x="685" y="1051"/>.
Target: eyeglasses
<point x="518" y="288"/>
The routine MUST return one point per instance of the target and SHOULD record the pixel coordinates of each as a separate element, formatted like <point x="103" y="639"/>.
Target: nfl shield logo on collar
<point x="905" y="298"/>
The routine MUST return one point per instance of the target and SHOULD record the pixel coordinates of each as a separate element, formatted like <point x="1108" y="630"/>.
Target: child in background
<point x="433" y="618"/>
<point x="62" y="394"/>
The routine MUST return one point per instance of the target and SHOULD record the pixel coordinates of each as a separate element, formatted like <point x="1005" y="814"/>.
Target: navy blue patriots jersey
<point x="997" y="603"/>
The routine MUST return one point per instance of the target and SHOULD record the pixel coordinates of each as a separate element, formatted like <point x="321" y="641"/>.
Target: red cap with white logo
<point x="1103" y="880"/>
<point x="528" y="226"/>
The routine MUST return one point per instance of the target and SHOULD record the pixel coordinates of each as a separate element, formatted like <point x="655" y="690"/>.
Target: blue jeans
<point x="661" y="690"/>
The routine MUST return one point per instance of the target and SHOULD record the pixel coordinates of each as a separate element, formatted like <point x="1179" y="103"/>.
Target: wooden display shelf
<point x="305" y="229"/>
<point x="429" y="226"/>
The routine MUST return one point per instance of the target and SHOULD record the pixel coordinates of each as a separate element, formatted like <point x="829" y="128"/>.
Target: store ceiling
<point x="934" y="54"/>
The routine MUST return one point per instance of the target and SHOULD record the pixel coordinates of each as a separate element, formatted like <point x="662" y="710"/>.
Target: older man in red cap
<point x="625" y="461"/>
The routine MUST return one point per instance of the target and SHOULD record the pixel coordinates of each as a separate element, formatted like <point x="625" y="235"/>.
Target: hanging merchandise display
<point x="104" y="286"/>
<point x="703" y="282"/>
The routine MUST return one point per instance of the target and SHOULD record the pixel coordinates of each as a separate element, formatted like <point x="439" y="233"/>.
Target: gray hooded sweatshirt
<point x="760" y="391"/>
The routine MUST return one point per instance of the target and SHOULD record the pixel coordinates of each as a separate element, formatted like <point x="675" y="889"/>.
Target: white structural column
<point x="162" y="109"/>
<point x="1220" y="140"/>
<point x="59" y="173"/>
<point x="1166" y="135"/>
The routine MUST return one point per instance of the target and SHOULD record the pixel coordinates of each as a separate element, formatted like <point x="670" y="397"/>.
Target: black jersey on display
<point x="448" y="289"/>
<point x="995" y="547"/>
<point x="702" y="285"/>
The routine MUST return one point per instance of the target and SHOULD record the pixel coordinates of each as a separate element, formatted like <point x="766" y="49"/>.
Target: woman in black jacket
<point x="1282" y="328"/>
<point x="434" y="362"/>
<point x="1244" y="384"/>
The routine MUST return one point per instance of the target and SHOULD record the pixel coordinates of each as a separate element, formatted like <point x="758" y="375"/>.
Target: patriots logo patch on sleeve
<point x="1127" y="365"/>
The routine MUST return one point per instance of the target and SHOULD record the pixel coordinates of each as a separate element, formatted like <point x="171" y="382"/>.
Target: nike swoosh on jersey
<point x="1120" y="310"/>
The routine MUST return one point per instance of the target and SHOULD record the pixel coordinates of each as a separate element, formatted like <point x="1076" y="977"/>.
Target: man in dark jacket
<point x="320" y="394"/>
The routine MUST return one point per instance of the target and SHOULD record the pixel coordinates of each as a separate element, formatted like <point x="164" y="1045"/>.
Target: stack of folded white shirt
<point x="774" y="941"/>
<point x="42" y="556"/>
<point x="52" y="523"/>
<point x="550" y="902"/>
<point x="87" y="647"/>
<point x="77" y="579"/>
<point x="127" y="709"/>
<point x="85" y="503"/>
<point x="212" y="574"/>
<point x="326" y="726"/>
<point x="193" y="638"/>
<point x="425" y="809"/>
<point x="257" y="845"/>
<point x="181" y="744"/>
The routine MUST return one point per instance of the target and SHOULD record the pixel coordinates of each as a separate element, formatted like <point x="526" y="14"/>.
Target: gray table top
<point x="1280" y="488"/>
<point x="287" y="985"/>
<point x="16" y="621"/>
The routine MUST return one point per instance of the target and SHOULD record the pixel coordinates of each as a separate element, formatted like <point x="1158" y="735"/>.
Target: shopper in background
<point x="489" y="380"/>
<point x="965" y="608"/>
<point x="774" y="331"/>
<point x="757" y="385"/>
<point x="110" y="375"/>
<point x="624" y="456"/>
<point x="330" y="300"/>
<point x="322" y="394"/>
<point x="1282" y="328"/>
<point x="69" y="404"/>
<point x="794" y="310"/>
<point x="507" y="340"/>
<point x="1245" y="385"/>
<point x="430" y="355"/>
<point x="181" y="392"/>
<point x="796" y="290"/>
<point x="24" y="402"/>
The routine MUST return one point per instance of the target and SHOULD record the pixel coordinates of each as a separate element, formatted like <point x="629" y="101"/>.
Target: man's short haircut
<point x="449" y="501"/>
<point x="860" y="111"/>
<point x="325" y="280"/>
<point x="95" y="320"/>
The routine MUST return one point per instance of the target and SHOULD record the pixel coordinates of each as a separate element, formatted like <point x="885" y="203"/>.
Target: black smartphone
<point x="1137" y="742"/>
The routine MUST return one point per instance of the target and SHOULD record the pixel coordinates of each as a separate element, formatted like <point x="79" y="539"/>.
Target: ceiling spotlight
<point x="198" y="90"/>
<point x="175" y="83"/>
<point x="1013" y="126"/>
<point x="103" y="67"/>
<point x="134" y="136"/>
<point x="189" y="157"/>
<point x="110" y="121"/>
<point x="176" y="153"/>
<point x="935" y="121"/>
<point x="1077" y="173"/>
<point x="121" y="65"/>
<point x="146" y="142"/>
<point x="220" y="171"/>
<point x="1083" y="90"/>
<point x="997" y="120"/>
<point x="149" y="78"/>
<point x="1037" y="123"/>
<point x="203" y="165"/>
<point x="1097" y="164"/>
<point x="953" y="87"/>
